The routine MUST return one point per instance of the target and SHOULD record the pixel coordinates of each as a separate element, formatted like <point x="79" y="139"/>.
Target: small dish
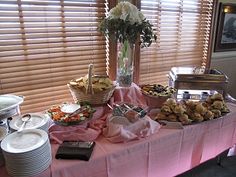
<point x="69" y="108"/>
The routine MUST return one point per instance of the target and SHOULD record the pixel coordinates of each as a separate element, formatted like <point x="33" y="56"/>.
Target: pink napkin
<point x="119" y="129"/>
<point x="130" y="94"/>
<point x="59" y="134"/>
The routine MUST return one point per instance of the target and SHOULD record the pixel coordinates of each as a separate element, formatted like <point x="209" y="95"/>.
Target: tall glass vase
<point x="125" y="64"/>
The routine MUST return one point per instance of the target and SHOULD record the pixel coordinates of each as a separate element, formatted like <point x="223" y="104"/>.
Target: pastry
<point x="217" y="96"/>
<point x="166" y="110"/>
<point x="200" y="109"/>
<point x="161" y="116"/>
<point x="184" y="119"/>
<point x="208" y="115"/>
<point x="216" y="113"/>
<point x="172" y="118"/>
<point x="217" y="105"/>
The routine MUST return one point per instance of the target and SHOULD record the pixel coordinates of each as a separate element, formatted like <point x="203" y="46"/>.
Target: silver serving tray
<point x="191" y="74"/>
<point x="192" y="78"/>
<point x="187" y="78"/>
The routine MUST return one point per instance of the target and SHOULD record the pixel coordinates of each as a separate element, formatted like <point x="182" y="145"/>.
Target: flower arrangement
<point x="126" y="23"/>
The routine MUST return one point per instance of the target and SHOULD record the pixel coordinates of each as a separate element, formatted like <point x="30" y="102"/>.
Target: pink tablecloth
<point x="167" y="153"/>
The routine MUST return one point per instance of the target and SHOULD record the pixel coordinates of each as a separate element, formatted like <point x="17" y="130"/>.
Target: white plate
<point x="3" y="132"/>
<point x="36" y="121"/>
<point x="26" y="173"/>
<point x="29" y="172"/>
<point x="28" y="155"/>
<point x="69" y="107"/>
<point x="25" y="141"/>
<point x="28" y="163"/>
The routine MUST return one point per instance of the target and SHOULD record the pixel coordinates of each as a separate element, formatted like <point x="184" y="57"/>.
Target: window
<point x="46" y="43"/>
<point x="183" y="30"/>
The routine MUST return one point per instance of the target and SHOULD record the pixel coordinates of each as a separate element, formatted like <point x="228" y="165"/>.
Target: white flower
<point x="141" y="16"/>
<point x="115" y="13"/>
<point x="126" y="11"/>
<point x="126" y="23"/>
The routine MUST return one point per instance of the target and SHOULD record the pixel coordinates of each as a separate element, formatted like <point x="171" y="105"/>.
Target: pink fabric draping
<point x="167" y="153"/>
<point x="131" y="95"/>
<point x="121" y="132"/>
<point x="144" y="127"/>
<point x="91" y="130"/>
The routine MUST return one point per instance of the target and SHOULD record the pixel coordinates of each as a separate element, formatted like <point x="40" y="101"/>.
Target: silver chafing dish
<point x="9" y="105"/>
<point x="193" y="78"/>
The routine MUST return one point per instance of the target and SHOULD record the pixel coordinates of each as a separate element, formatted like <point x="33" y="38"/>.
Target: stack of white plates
<point x="26" y="153"/>
<point x="3" y="133"/>
<point x="37" y="121"/>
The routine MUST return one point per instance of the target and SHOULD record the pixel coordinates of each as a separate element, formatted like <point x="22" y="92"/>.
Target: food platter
<point x="82" y="114"/>
<point x="190" y="112"/>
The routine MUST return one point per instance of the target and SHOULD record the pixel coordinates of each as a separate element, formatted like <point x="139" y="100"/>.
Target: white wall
<point x="226" y="62"/>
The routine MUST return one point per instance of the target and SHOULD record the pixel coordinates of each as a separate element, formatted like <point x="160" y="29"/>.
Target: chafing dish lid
<point x="8" y="102"/>
<point x="194" y="73"/>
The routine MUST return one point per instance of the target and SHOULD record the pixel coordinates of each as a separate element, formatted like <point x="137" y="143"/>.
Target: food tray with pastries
<point x="95" y="89"/>
<point x="156" y="94"/>
<point x="71" y="113"/>
<point x="189" y="112"/>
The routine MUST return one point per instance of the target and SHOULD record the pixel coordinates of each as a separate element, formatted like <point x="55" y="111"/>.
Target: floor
<point x="225" y="168"/>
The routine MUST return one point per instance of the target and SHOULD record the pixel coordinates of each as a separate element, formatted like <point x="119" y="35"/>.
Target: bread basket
<point x="88" y="93"/>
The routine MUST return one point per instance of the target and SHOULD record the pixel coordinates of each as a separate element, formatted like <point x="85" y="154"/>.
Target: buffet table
<point x="168" y="152"/>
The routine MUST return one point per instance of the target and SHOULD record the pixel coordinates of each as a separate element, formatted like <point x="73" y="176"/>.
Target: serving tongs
<point x="122" y="109"/>
<point x="79" y="110"/>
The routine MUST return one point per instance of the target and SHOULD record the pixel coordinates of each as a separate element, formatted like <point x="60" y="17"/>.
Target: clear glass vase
<point x="125" y="62"/>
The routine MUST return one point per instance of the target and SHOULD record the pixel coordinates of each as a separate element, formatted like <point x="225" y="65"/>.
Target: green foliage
<point x="121" y="30"/>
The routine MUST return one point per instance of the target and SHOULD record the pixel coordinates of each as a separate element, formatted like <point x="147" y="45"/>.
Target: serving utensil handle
<point x="89" y="88"/>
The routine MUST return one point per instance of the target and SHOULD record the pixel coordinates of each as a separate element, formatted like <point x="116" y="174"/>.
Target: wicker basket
<point x="155" y="101"/>
<point x="87" y="94"/>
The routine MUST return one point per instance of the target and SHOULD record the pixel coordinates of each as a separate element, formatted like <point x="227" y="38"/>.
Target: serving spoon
<point x="25" y="118"/>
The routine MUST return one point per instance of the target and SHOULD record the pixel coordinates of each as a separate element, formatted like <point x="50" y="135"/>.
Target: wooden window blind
<point x="46" y="43"/>
<point x="183" y="32"/>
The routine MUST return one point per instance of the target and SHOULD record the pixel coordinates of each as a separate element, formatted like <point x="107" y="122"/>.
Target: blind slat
<point x="182" y="28"/>
<point x="46" y="43"/>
